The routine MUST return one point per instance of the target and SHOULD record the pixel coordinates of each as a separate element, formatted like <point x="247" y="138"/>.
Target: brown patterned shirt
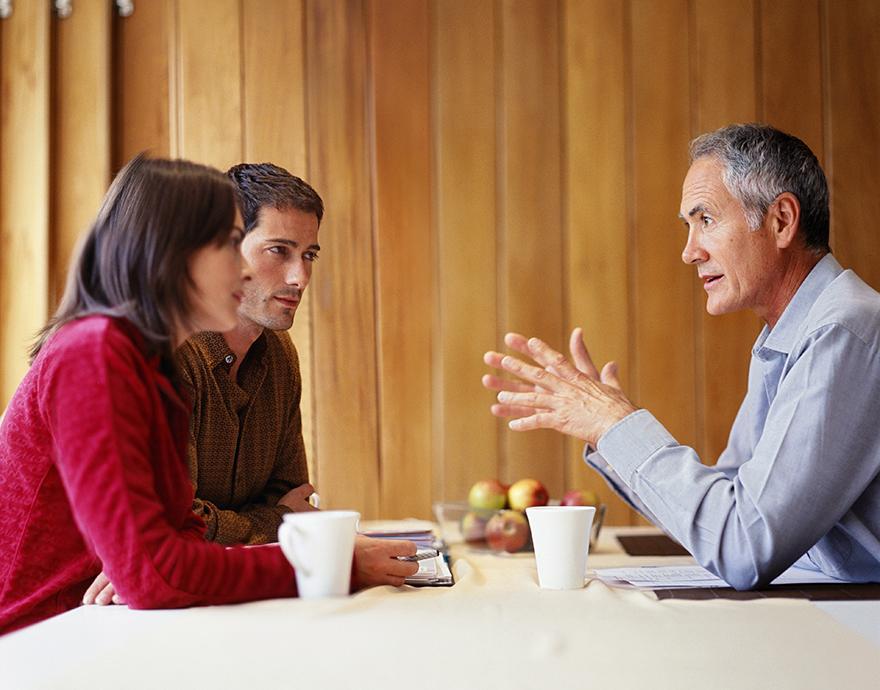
<point x="246" y="449"/>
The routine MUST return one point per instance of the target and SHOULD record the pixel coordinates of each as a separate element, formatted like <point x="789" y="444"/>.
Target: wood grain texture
<point x="791" y="69"/>
<point x="208" y="83"/>
<point x="464" y="135"/>
<point x="530" y="257"/>
<point x="24" y="186"/>
<point x="274" y="130"/>
<point x="663" y="339"/>
<point x="403" y="240"/>
<point x="853" y="29"/>
<point x="344" y="298"/>
<point x="143" y="96"/>
<point x="726" y="90"/>
<point x="596" y="250"/>
<point x="80" y="129"/>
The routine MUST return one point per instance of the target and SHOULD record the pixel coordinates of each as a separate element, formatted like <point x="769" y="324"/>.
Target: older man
<point x="800" y="478"/>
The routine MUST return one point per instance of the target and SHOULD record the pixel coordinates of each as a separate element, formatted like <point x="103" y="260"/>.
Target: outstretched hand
<point x="572" y="398"/>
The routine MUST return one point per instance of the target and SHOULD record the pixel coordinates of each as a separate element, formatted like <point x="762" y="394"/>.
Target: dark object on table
<point x="651" y="545"/>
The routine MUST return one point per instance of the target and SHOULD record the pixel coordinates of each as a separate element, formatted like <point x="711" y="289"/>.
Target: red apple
<point x="508" y="531"/>
<point x="580" y="497"/>
<point x="527" y="493"/>
<point x="473" y="527"/>
<point x="487" y="494"/>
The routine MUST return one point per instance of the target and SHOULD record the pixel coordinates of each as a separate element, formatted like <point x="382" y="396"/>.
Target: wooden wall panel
<point x="853" y="108"/>
<point x="343" y="300"/>
<point x="725" y="85"/>
<point x="466" y="435"/>
<point x="791" y="80"/>
<point x="80" y="129"/>
<point x="143" y="93"/>
<point x="663" y="287"/>
<point x="399" y="53"/>
<point x="530" y="258"/>
<point x="274" y="130"/>
<point x="209" y="110"/>
<point x="596" y="250"/>
<point x="24" y="186"/>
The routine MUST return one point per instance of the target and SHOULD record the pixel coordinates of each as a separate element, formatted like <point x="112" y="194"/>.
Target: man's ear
<point x="784" y="219"/>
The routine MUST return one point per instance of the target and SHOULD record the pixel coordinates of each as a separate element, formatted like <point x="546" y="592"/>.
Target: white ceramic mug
<point x="561" y="536"/>
<point x="320" y="546"/>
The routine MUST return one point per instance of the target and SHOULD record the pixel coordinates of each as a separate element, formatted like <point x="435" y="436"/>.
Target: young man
<point x="246" y="455"/>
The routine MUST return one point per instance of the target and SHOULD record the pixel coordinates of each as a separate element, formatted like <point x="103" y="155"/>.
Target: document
<point x="696" y="577"/>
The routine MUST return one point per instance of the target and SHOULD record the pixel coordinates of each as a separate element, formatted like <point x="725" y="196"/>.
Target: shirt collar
<point x="215" y="350"/>
<point x="782" y="337"/>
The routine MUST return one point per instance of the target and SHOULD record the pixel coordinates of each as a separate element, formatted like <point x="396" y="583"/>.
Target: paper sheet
<point x="696" y="577"/>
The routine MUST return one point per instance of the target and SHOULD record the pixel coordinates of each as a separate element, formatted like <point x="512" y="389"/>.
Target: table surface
<point x="494" y="629"/>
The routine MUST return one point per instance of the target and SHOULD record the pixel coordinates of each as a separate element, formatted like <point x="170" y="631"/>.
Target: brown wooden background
<point x="487" y="166"/>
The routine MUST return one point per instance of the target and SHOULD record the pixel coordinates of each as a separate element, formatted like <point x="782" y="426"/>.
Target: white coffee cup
<point x="320" y="546"/>
<point x="561" y="536"/>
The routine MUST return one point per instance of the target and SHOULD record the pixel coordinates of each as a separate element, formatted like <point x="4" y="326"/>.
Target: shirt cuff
<point x="631" y="442"/>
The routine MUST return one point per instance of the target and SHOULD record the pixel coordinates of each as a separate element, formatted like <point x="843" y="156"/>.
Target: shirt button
<point x="229" y="359"/>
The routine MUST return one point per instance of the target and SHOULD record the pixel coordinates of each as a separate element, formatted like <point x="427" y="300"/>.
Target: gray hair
<point x="760" y="163"/>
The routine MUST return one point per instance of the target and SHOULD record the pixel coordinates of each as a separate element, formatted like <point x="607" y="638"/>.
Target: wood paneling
<point x="854" y="133"/>
<point x="209" y="118"/>
<point x="80" y="129"/>
<point x="725" y="85"/>
<point x="24" y="186"/>
<point x="274" y="130"/>
<point x="596" y="248"/>
<point x="344" y="299"/>
<point x="530" y="254"/>
<point x="466" y="435"/>
<point x="663" y="335"/>
<point x="399" y="59"/>
<point x="791" y="80"/>
<point x="487" y="165"/>
<point x="143" y="93"/>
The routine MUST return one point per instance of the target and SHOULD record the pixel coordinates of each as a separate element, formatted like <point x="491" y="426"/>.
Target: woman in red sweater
<point x="92" y="445"/>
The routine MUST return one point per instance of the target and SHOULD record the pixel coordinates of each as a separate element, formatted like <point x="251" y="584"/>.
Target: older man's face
<point x="737" y="265"/>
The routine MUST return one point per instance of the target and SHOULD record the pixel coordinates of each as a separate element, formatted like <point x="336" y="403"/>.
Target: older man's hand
<point x="375" y="562"/>
<point x="575" y="399"/>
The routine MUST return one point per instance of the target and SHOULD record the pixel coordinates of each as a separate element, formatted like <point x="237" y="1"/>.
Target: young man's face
<point x="279" y="252"/>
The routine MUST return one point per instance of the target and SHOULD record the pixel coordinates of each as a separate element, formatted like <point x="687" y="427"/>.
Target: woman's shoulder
<point x="94" y="335"/>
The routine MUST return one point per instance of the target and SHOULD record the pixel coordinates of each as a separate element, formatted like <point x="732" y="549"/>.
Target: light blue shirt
<point x="800" y="477"/>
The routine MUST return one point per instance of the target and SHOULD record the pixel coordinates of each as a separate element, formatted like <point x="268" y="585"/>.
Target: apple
<point x="473" y="527"/>
<point x="580" y="497"/>
<point x="507" y="531"/>
<point x="527" y="493"/>
<point x="487" y="494"/>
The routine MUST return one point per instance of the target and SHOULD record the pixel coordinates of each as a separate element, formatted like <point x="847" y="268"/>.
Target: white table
<point x="494" y="629"/>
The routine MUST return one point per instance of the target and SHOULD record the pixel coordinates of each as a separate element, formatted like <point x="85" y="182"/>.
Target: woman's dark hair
<point x="133" y="262"/>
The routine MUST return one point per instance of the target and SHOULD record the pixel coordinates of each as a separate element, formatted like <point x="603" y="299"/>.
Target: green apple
<point x="487" y="494"/>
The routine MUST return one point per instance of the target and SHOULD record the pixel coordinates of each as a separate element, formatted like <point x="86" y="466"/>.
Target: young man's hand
<point x="297" y="499"/>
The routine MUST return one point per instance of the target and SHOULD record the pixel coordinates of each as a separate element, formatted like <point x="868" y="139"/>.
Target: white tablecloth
<point x="494" y="629"/>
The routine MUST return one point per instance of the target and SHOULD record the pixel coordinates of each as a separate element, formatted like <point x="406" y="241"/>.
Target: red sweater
<point x="93" y="472"/>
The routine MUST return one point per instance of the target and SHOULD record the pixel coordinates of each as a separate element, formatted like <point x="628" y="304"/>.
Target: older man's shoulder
<point x="849" y="302"/>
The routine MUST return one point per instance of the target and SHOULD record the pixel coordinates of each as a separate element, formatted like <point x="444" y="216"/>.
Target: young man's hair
<point x="133" y="261"/>
<point x="266" y="185"/>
